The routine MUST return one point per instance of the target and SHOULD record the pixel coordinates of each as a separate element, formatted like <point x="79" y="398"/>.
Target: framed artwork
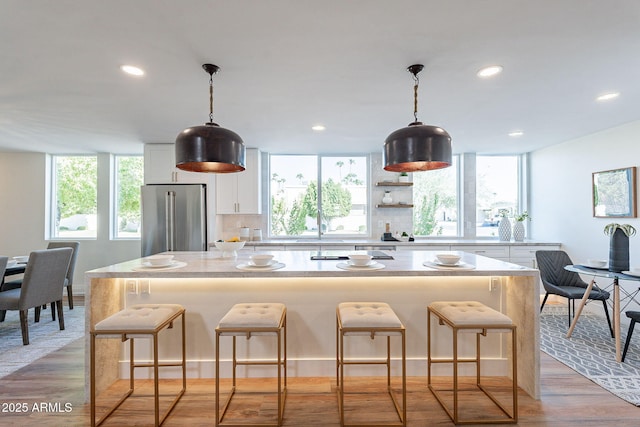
<point x="614" y="193"/>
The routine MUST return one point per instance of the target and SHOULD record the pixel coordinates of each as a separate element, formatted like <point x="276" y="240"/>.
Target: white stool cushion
<point x="253" y="315"/>
<point x="462" y="313"/>
<point x="140" y="317"/>
<point x="370" y="315"/>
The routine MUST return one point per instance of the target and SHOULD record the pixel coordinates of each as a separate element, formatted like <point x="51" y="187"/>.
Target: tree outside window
<point x="75" y="197"/>
<point x="435" y="202"/>
<point x="128" y="179"/>
<point x="295" y="201"/>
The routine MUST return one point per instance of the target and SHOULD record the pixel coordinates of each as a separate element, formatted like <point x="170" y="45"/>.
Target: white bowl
<point x="598" y="263"/>
<point x="261" y="259"/>
<point x="11" y="263"/>
<point x="22" y="259"/>
<point x="229" y="246"/>
<point x="632" y="270"/>
<point x="159" y="259"/>
<point x="360" y="260"/>
<point x="448" y="259"/>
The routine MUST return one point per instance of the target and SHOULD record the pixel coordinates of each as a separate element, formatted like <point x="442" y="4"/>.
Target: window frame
<point x="522" y="189"/>
<point x="319" y="177"/>
<point x="459" y="173"/>
<point x="52" y="228"/>
<point x="113" y="197"/>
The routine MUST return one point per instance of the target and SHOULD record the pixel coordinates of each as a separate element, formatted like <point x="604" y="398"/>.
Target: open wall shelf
<point x="394" y="205"/>
<point x="394" y="184"/>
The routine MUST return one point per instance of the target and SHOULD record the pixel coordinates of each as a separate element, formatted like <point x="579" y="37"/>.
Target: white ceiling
<point x="289" y="64"/>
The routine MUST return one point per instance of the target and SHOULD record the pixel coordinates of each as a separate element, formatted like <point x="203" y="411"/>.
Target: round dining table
<point x="616" y="277"/>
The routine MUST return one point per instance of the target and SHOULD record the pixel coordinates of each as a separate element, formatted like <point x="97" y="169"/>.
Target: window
<point x="129" y="176"/>
<point x="435" y="199"/>
<point x="74" y="197"/>
<point x="497" y="183"/>
<point x="339" y="207"/>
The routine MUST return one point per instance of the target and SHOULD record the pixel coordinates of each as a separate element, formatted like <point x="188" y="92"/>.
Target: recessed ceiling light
<point x="608" y="96"/>
<point x="489" y="71"/>
<point x="318" y="128"/>
<point x="134" y="71"/>
<point x="516" y="133"/>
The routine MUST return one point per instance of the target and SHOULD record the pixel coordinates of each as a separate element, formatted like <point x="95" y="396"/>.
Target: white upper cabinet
<point x="239" y="193"/>
<point x="160" y="167"/>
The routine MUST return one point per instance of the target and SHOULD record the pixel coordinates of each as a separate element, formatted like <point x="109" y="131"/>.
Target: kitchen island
<point x="208" y="285"/>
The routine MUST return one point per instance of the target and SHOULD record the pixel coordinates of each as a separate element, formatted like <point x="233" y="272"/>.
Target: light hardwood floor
<point x="568" y="399"/>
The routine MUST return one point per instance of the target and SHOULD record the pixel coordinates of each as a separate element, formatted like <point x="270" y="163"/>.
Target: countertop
<point x="374" y="242"/>
<point x="299" y="264"/>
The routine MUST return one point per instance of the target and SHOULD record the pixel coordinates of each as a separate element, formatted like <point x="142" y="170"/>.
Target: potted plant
<point x="518" y="226"/>
<point x="404" y="177"/>
<point x="619" y="245"/>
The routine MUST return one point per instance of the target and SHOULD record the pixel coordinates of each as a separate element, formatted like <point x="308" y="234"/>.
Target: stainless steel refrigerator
<point x="174" y="218"/>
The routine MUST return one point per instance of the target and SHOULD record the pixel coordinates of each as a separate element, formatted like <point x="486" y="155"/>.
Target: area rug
<point x="591" y="351"/>
<point x="44" y="337"/>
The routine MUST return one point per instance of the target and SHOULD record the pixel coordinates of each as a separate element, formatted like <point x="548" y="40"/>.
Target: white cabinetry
<point x="497" y="252"/>
<point x="526" y="255"/>
<point x="429" y="247"/>
<point x="239" y="193"/>
<point x="160" y="167"/>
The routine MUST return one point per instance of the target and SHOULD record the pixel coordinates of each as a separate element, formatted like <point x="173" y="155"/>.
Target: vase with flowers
<point x="518" y="226"/>
<point x="619" y="245"/>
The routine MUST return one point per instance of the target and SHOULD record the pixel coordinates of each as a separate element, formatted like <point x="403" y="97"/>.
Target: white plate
<point x="254" y="265"/>
<point x="146" y="266"/>
<point x="597" y="267"/>
<point x="373" y="266"/>
<point x="631" y="273"/>
<point x="250" y="267"/>
<point x="371" y="263"/>
<point x="458" y="266"/>
<point x="442" y="264"/>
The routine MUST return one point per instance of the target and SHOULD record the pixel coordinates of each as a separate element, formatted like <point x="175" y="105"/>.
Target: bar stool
<point x="142" y="320"/>
<point x="472" y="317"/>
<point x="369" y="319"/>
<point x="249" y="319"/>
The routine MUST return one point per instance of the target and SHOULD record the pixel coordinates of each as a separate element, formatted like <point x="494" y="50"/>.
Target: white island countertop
<point x="208" y="286"/>
<point x="300" y="264"/>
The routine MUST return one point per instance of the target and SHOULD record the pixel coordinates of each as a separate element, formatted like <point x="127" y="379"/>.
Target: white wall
<point x="561" y="197"/>
<point x="23" y="210"/>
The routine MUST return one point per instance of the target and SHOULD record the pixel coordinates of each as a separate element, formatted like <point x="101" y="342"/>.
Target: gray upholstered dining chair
<point x="3" y="265"/>
<point x="558" y="281"/>
<point x="68" y="283"/>
<point x="43" y="283"/>
<point x="635" y="317"/>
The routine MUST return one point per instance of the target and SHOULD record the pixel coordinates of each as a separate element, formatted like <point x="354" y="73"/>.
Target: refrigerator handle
<point x="170" y="219"/>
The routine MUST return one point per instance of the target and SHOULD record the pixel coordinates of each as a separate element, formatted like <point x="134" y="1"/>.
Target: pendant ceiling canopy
<point x="417" y="147"/>
<point x="209" y="147"/>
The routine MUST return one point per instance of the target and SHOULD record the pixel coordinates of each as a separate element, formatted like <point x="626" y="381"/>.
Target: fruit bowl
<point x="229" y="248"/>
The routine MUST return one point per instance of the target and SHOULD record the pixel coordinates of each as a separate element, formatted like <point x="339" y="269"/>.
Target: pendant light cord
<point x="415" y="96"/>
<point x="210" y="97"/>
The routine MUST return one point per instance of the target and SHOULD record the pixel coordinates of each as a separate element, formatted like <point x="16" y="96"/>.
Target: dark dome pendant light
<point x="210" y="148"/>
<point x="417" y="147"/>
